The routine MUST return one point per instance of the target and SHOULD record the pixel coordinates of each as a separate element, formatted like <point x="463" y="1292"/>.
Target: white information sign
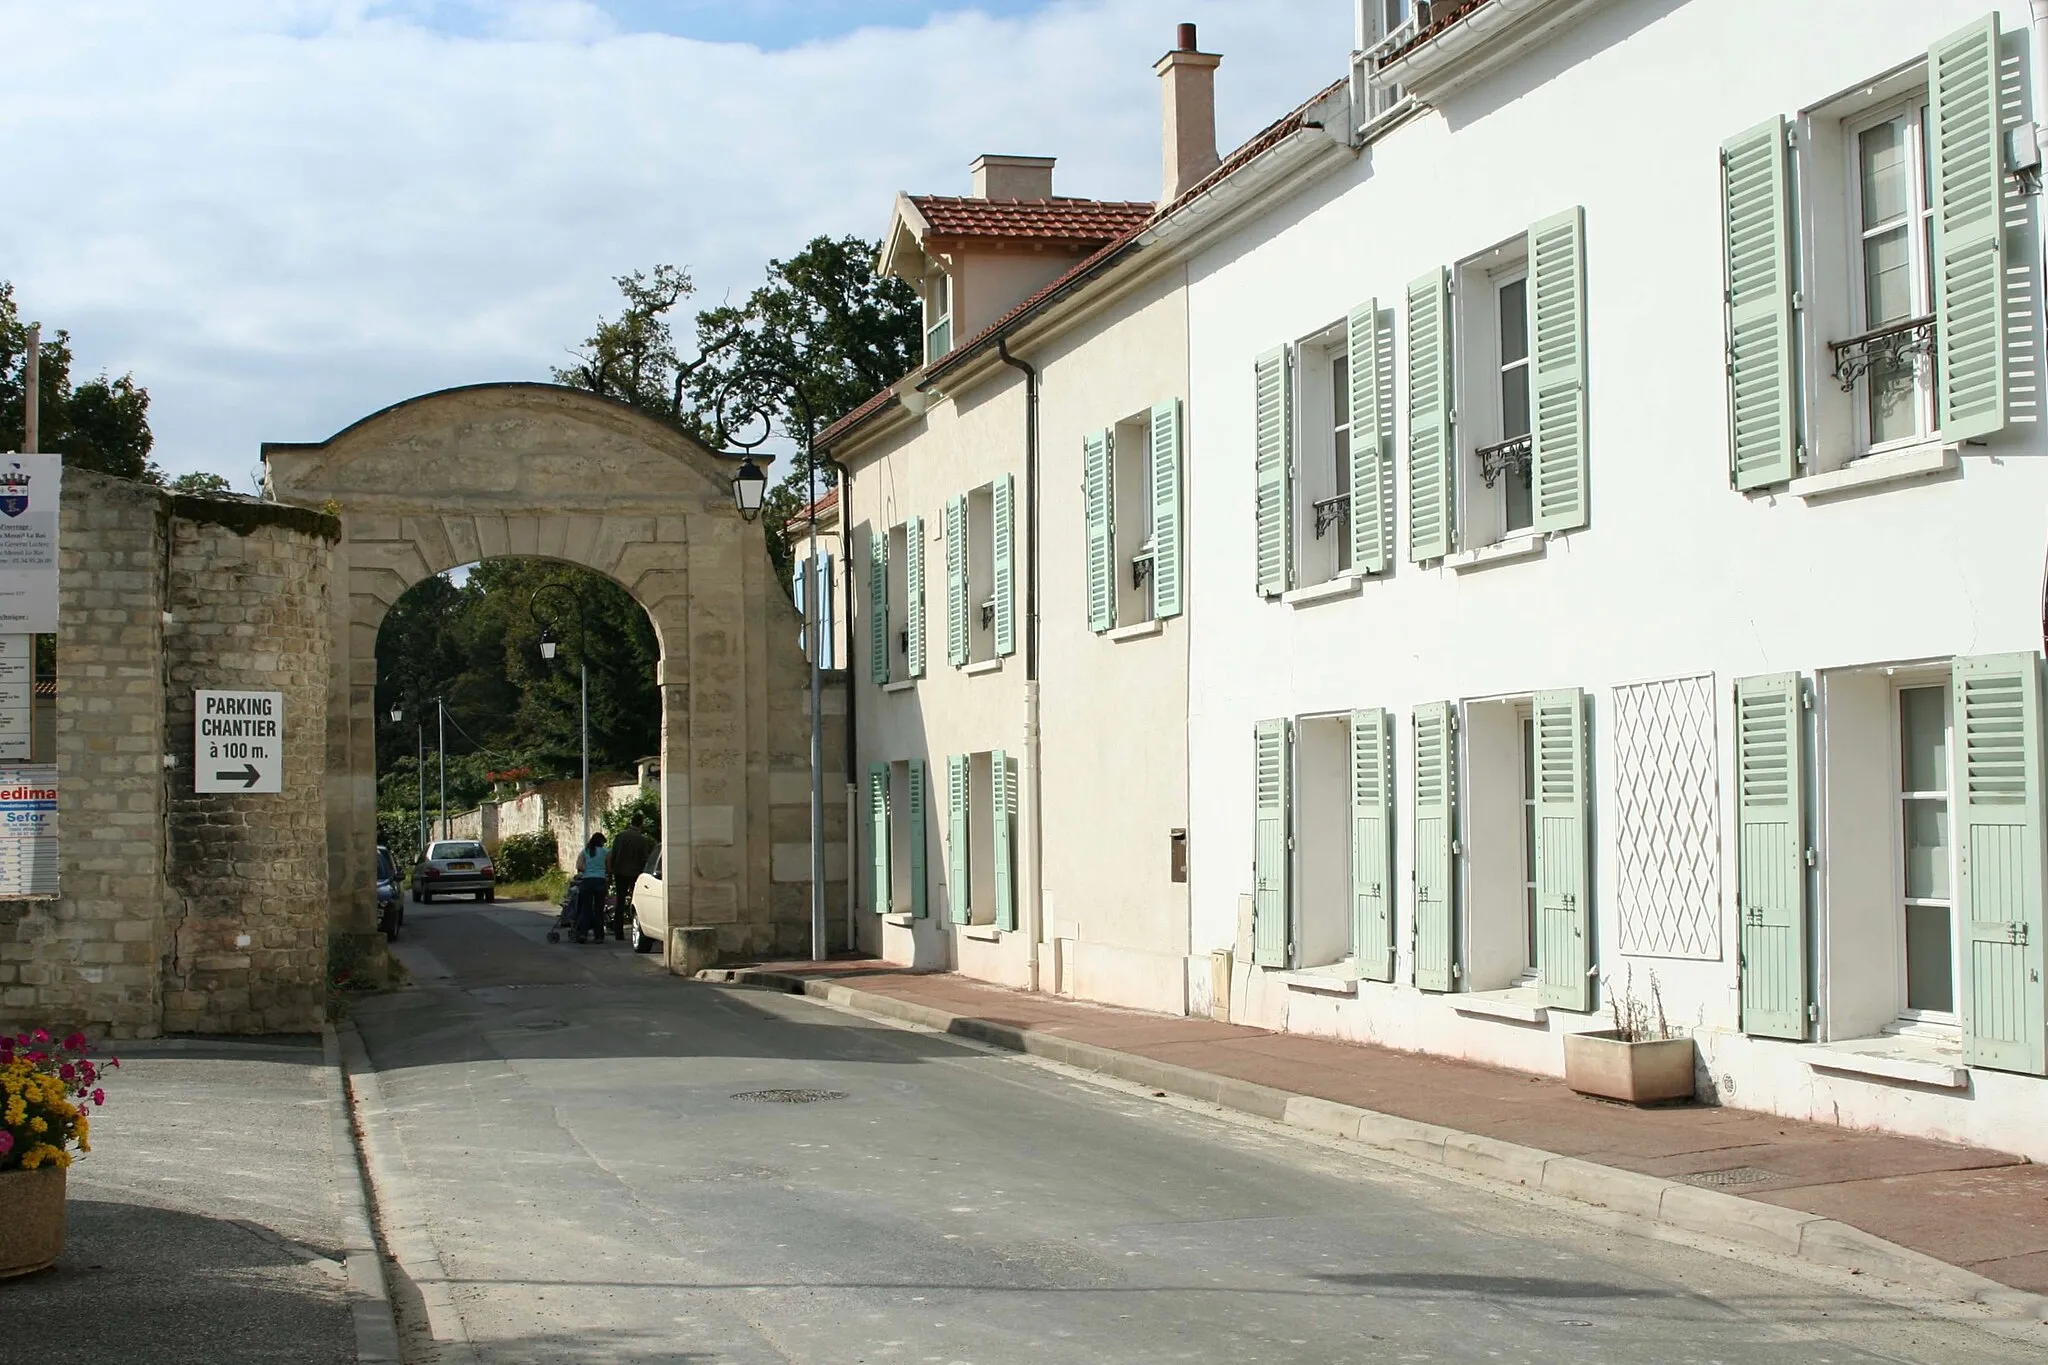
<point x="17" y="670"/>
<point x="28" y="831"/>
<point x="28" y="543"/>
<point x="237" y="741"/>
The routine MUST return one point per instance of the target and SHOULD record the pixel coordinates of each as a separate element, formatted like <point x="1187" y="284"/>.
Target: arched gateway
<point x="536" y="469"/>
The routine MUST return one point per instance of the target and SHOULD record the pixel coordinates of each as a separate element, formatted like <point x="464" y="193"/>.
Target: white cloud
<point x="284" y="214"/>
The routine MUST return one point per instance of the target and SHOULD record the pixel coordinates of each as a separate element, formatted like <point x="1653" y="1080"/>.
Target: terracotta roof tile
<point x="1063" y="220"/>
<point x="1441" y="17"/>
<point x="873" y="405"/>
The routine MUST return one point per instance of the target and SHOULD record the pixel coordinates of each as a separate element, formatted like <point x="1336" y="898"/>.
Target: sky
<point x="282" y="215"/>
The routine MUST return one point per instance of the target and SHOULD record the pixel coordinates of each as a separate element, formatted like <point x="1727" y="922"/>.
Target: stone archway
<point x="541" y="470"/>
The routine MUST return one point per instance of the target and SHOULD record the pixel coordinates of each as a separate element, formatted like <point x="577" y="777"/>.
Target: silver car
<point x="454" y="867"/>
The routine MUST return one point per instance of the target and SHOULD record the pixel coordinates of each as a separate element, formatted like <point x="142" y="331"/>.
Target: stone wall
<point x="158" y="887"/>
<point x="247" y="911"/>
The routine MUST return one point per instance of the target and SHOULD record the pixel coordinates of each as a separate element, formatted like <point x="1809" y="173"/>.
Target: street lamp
<point x="547" y="651"/>
<point x="749" y="488"/>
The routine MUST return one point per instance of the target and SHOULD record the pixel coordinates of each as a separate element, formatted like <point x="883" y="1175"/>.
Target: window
<point x="981" y="818"/>
<point x="1836" y="226"/>
<point x="1131" y="519"/>
<point x="899" y="876"/>
<point x="1925" y="851"/>
<point x="1384" y="25"/>
<point x="981" y="574"/>
<point x="1130" y="492"/>
<point x="1497" y="441"/>
<point x="1322" y="478"/>
<point x="938" y="315"/>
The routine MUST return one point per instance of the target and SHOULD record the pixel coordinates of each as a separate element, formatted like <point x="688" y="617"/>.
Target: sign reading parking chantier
<point x="237" y="741"/>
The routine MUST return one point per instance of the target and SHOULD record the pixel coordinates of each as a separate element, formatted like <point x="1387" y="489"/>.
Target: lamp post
<point x="547" y="651"/>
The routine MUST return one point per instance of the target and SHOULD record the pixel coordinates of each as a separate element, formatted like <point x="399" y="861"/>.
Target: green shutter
<point x="1003" y="514"/>
<point x="1369" y="355"/>
<point x="1273" y="409"/>
<point x="1372" y="845"/>
<point x="1431" y="525"/>
<point x="1564" y="916"/>
<point x="958" y="890"/>
<point x="1435" y="837"/>
<point x="956" y="581"/>
<point x="913" y="595"/>
<point x="1002" y="817"/>
<point x="1166" y="565"/>
<point x="1272" y="802"/>
<point x="1969" y="299"/>
<point x="1757" y="282"/>
<point x="878" y="605"/>
<point x="1099" y="511"/>
<point x="920" y="890"/>
<point x="1770" y="856"/>
<point x="1996" y="706"/>
<point x="878" y="834"/>
<point x="1557" y="328"/>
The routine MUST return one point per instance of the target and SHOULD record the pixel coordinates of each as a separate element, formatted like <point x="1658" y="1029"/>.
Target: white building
<point x="1615" y="535"/>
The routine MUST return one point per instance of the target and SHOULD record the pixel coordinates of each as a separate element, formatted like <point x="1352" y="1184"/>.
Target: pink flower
<point x="99" y="1097"/>
<point x="42" y="1035"/>
<point x="66" y="1072"/>
<point x="6" y="1142"/>
<point x="76" y="1042"/>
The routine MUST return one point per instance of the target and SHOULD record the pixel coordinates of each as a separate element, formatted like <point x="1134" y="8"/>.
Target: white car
<point x="650" y="907"/>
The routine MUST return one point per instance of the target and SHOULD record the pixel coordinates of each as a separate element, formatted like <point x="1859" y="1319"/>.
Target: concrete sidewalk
<point x="1902" y="1208"/>
<point x="212" y="1221"/>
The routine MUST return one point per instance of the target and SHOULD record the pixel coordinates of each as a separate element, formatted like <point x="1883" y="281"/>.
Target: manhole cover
<point x="789" y="1096"/>
<point x="1734" y="1175"/>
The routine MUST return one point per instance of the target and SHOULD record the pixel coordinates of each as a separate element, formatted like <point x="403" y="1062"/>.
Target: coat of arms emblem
<point x="13" y="490"/>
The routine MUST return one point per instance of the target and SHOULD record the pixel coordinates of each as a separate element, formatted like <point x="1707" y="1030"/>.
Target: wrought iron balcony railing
<point x="1883" y="347"/>
<point x="1511" y="455"/>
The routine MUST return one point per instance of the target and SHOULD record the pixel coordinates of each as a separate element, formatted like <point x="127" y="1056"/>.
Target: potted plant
<point x="1640" y="1060"/>
<point x="45" y="1090"/>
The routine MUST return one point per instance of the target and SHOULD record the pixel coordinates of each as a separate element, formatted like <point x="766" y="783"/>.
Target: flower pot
<point x="1602" y="1064"/>
<point x="31" y="1219"/>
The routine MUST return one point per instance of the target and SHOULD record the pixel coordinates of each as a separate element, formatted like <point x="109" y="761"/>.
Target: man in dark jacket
<point x="630" y="852"/>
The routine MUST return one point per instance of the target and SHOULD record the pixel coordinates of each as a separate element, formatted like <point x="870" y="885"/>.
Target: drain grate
<point x="1734" y="1175"/>
<point x="789" y="1096"/>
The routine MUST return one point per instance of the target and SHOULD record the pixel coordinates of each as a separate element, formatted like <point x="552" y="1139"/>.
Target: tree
<point x="200" y="481"/>
<point x="102" y="424"/>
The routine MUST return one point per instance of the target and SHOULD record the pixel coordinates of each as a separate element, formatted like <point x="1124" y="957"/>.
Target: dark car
<point x="390" y="905"/>
<point x="454" y="867"/>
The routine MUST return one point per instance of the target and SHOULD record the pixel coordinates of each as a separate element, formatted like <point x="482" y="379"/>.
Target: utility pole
<point x="582" y="648"/>
<point x="814" y="618"/>
<point x="32" y="392"/>
<point x="419" y="772"/>
<point x="441" y="742"/>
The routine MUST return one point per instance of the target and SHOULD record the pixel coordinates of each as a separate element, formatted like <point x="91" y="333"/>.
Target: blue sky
<point x="281" y="215"/>
<point x="769" y="24"/>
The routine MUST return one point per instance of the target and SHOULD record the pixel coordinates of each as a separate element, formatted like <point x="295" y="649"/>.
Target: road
<point x="585" y="1172"/>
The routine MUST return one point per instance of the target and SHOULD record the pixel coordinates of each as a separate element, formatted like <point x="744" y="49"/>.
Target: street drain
<point x="1734" y="1175"/>
<point x="789" y="1096"/>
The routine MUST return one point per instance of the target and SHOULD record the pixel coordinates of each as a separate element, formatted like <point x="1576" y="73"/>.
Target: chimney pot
<point x="1011" y="177"/>
<point x="1187" y="97"/>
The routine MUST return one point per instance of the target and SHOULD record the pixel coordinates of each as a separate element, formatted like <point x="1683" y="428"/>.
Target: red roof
<point x="1046" y="220"/>
<point x="801" y="520"/>
<point x="1441" y="17"/>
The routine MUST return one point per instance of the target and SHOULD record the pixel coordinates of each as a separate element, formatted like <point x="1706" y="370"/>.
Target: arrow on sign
<point x="247" y="776"/>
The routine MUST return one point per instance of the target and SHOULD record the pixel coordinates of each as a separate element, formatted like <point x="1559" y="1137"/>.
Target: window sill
<point x="1339" y="978"/>
<point x="1135" y="632"/>
<point x="1500" y="552"/>
<point x="1343" y="585"/>
<point x="1516" y="1006"/>
<point x="1916" y="1061"/>
<point x="985" y="666"/>
<point x="987" y="933"/>
<point x="902" y="919"/>
<point x="900" y="685"/>
<point x="1875" y="471"/>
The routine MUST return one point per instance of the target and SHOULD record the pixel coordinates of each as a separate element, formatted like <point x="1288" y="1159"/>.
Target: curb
<point x="1787" y="1232"/>
<point x="369" y="1296"/>
<point x="407" y="1240"/>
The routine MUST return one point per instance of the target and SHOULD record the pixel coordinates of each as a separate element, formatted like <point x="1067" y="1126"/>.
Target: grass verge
<point x="549" y="888"/>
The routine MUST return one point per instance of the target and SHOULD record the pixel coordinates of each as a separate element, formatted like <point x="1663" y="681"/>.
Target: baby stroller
<point x="565" y="922"/>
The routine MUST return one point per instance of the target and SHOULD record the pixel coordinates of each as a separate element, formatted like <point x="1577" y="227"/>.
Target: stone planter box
<point x="31" y="1219"/>
<point x="1637" y="1073"/>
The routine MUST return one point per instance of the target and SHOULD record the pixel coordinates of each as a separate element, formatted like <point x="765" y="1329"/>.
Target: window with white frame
<point x="1928" y="910"/>
<point x="899" y="837"/>
<point x="1322" y="461"/>
<point x="1383" y="26"/>
<point x="980" y="573"/>
<point x="1132" y="520"/>
<point x="1496" y="400"/>
<point x="1130" y="494"/>
<point x="981" y="822"/>
<point x="938" y="314"/>
<point x="1839" y="226"/>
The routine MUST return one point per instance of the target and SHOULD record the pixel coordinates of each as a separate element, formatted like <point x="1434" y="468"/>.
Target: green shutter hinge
<point x="1791" y="135"/>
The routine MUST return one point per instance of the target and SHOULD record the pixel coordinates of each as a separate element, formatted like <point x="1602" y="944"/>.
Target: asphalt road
<point x="585" y="1153"/>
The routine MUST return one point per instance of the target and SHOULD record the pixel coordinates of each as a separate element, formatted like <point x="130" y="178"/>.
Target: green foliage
<point x="645" y="803"/>
<point x="526" y="857"/>
<point x="200" y="481"/>
<point x="101" y="424"/>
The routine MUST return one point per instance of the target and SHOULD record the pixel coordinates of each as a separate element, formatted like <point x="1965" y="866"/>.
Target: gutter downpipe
<point x="852" y="749"/>
<point x="1034" y="842"/>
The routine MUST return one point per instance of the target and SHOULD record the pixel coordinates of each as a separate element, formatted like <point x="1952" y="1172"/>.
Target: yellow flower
<point x="38" y="1125"/>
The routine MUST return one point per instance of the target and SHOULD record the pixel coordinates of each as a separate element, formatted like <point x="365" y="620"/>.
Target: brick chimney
<point x="1187" y="100"/>
<point x="1012" y="177"/>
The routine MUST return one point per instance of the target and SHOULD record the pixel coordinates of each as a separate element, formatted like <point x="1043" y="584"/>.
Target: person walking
<point x="630" y="852"/>
<point x="590" y="884"/>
